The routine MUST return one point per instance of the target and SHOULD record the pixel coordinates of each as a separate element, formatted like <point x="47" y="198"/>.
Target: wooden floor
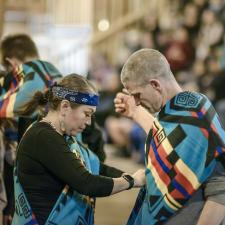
<point x="115" y="210"/>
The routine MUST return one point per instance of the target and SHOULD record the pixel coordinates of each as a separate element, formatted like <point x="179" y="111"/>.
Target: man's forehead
<point x="130" y="86"/>
<point x="133" y="87"/>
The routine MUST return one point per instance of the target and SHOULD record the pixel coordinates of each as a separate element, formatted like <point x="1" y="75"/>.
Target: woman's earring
<point x="62" y="126"/>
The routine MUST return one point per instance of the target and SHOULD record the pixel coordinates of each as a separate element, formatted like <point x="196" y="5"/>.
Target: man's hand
<point x="139" y="178"/>
<point x="125" y="105"/>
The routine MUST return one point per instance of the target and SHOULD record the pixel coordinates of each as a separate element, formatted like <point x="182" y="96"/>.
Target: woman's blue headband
<point x="75" y="96"/>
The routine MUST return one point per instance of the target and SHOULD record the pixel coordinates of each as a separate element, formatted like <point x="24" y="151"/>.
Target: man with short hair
<point x="184" y="148"/>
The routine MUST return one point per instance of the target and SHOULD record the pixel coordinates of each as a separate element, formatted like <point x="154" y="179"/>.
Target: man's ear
<point x="155" y="84"/>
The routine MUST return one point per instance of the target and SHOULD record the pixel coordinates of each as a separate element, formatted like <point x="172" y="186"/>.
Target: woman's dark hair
<point x="42" y="99"/>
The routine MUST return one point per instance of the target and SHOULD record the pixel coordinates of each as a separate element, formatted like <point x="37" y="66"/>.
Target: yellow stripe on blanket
<point x="163" y="188"/>
<point x="183" y="168"/>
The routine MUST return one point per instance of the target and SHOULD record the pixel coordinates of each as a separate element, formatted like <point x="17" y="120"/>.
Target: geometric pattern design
<point x="181" y="148"/>
<point x="199" y="117"/>
<point x="18" y="89"/>
<point x="187" y="99"/>
<point x="24" y="206"/>
<point x="166" y="161"/>
<point x="80" y="221"/>
<point x="159" y="137"/>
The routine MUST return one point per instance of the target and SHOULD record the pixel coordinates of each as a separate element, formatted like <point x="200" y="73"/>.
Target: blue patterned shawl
<point x="181" y="152"/>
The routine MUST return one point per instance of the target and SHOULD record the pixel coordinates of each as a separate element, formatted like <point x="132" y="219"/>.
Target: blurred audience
<point x="190" y="33"/>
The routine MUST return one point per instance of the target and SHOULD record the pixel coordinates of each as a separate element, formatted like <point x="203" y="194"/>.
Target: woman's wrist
<point x="129" y="179"/>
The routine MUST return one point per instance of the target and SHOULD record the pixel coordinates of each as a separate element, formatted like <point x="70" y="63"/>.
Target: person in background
<point x="17" y="85"/>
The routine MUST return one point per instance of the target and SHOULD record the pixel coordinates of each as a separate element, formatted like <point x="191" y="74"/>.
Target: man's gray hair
<point x="144" y="65"/>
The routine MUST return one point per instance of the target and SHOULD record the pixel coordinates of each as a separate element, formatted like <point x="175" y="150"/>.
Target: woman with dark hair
<point x="56" y="178"/>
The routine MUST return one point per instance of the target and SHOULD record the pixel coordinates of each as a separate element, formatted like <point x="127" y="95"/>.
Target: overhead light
<point x="103" y="25"/>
